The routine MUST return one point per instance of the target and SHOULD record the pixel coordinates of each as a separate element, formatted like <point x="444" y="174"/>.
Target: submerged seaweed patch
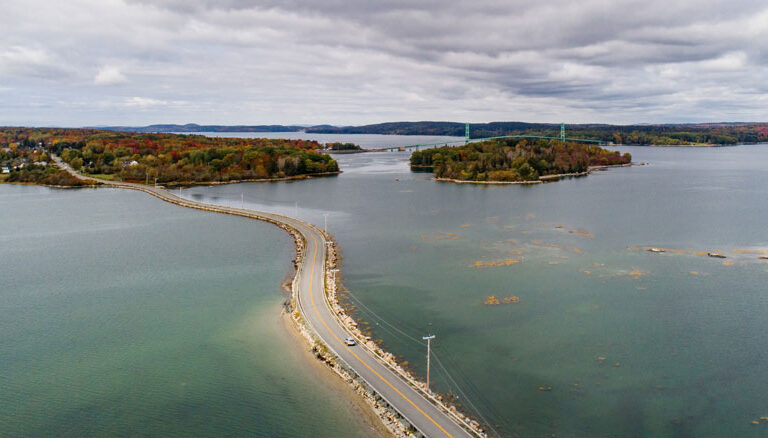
<point x="555" y="246"/>
<point x="484" y="264"/>
<point x="440" y="236"/>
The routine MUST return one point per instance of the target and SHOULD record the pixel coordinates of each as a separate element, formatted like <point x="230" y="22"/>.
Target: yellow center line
<point x="312" y="298"/>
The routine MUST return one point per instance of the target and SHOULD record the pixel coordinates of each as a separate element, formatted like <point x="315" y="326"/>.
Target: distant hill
<point x="193" y="127"/>
<point x="433" y="128"/>
<point x="660" y="134"/>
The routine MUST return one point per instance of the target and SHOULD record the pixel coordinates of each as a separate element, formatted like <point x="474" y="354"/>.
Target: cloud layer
<point x="85" y="62"/>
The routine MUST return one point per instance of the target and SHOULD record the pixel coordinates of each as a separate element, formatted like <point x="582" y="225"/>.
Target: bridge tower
<point x="466" y="133"/>
<point x="562" y="132"/>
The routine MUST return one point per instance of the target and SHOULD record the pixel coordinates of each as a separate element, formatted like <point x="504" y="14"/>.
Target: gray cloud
<point x="303" y="61"/>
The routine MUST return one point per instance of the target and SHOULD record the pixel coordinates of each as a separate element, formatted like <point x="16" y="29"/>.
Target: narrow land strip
<point x="421" y="409"/>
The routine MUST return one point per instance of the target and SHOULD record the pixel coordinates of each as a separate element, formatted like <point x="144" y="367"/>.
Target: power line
<point x="417" y="341"/>
<point x="398" y="333"/>
<point x="390" y="328"/>
<point x="464" y="395"/>
<point x="469" y="385"/>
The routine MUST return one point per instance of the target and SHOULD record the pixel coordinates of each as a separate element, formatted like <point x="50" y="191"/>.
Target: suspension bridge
<point x="467" y="139"/>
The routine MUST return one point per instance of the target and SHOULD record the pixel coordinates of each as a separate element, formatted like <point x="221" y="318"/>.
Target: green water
<point x="121" y="315"/>
<point x="685" y="354"/>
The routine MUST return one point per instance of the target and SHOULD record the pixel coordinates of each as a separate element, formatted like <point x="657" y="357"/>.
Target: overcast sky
<point x="136" y="62"/>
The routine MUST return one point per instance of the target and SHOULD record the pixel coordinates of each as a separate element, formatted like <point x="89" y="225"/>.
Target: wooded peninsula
<point x="514" y="160"/>
<point x="165" y="158"/>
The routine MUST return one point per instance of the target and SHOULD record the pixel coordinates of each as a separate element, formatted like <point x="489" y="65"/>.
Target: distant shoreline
<point x="696" y="134"/>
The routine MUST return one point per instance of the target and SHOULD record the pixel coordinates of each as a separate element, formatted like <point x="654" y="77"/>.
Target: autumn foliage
<point x="174" y="158"/>
<point x="514" y="159"/>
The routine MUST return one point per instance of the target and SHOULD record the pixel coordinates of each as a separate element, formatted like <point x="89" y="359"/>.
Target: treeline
<point x="395" y="128"/>
<point x="662" y="134"/>
<point x="674" y="134"/>
<point x="343" y="147"/>
<point x="172" y="158"/>
<point x="514" y="159"/>
<point x="193" y="127"/>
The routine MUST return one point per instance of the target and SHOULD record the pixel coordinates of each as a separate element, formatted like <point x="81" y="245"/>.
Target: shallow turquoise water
<point x="682" y="335"/>
<point x="122" y="315"/>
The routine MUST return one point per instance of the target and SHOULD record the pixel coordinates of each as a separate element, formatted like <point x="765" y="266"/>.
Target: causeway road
<point x="410" y="402"/>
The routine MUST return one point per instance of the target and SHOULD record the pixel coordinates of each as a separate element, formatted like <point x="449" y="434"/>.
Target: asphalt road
<point x="409" y="402"/>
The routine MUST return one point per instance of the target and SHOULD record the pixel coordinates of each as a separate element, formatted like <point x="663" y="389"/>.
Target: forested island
<point x="514" y="160"/>
<point x="164" y="158"/>
<point x="343" y="147"/>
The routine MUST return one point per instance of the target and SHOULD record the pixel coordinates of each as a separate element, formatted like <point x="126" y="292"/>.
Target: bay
<point x="122" y="315"/>
<point x="630" y="341"/>
<point x="622" y="341"/>
<point x="365" y="141"/>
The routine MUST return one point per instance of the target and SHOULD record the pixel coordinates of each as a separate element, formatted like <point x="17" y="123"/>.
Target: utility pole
<point x="428" y="338"/>
<point x="325" y="217"/>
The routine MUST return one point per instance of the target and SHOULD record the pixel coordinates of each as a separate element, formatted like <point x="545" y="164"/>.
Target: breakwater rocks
<point x="332" y="286"/>
<point x="391" y="419"/>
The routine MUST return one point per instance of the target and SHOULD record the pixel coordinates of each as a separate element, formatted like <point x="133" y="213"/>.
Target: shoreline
<point x="52" y="186"/>
<point x="234" y="181"/>
<point x="542" y="179"/>
<point x="351" y="151"/>
<point x="100" y="182"/>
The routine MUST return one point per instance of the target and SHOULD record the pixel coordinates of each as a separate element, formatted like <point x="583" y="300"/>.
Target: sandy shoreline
<point x="338" y="386"/>
<point x="325" y="374"/>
